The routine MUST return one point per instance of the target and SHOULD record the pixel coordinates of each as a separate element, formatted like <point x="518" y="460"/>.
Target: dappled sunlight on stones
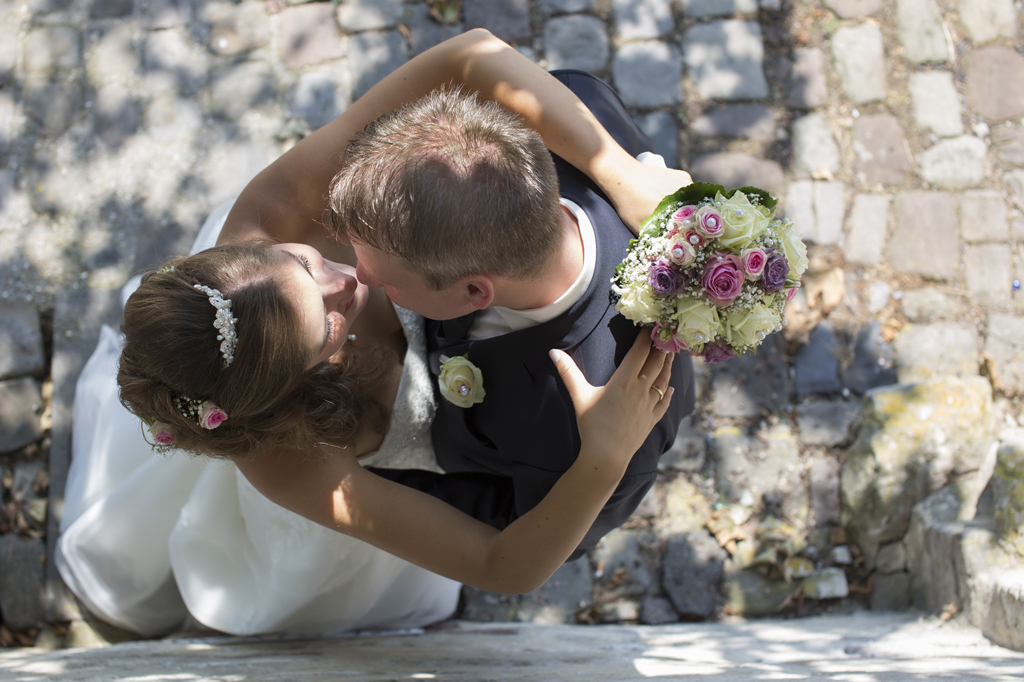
<point x="920" y="30"/>
<point x="936" y="103"/>
<point x="880" y="147"/>
<point x="987" y="20"/>
<point x="309" y="35"/>
<point x="576" y="42"/>
<point x="638" y="19"/>
<point x="733" y="169"/>
<point x="860" y="61"/>
<point x="753" y="121"/>
<point x="725" y="59"/>
<point x="983" y="216"/>
<point x="988" y="272"/>
<point x="237" y="28"/>
<point x="930" y="351"/>
<point x="509" y="20"/>
<point x="815" y="151"/>
<point x="995" y="82"/>
<point x="926" y="240"/>
<point x="866" y="229"/>
<point x="648" y="73"/>
<point x="1004" y="343"/>
<point x="808" y="87"/>
<point x="912" y="440"/>
<point x="851" y="9"/>
<point x="367" y="15"/>
<point x="956" y="163"/>
<point x="372" y="56"/>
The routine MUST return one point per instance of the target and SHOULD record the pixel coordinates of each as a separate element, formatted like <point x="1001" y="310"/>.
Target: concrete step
<point x="882" y="647"/>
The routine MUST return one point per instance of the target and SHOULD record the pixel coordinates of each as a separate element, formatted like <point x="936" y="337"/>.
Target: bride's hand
<point x="615" y="419"/>
<point x="638" y="188"/>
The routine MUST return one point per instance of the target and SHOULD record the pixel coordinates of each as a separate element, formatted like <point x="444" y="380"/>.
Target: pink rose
<point x="665" y="339"/>
<point x="791" y="292"/>
<point x="162" y="433"/>
<point x="211" y="416"/>
<point x="723" y="278"/>
<point x="685" y="212"/>
<point x="680" y="217"/>
<point x="694" y="239"/>
<point x="753" y="262"/>
<point x="681" y="252"/>
<point x="710" y="223"/>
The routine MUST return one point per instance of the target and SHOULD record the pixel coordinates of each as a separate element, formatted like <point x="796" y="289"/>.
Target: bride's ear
<point x="479" y="290"/>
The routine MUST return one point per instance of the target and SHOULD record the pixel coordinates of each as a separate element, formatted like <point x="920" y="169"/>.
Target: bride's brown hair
<point x="171" y="352"/>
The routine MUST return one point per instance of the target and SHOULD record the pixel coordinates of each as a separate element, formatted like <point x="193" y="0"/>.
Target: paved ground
<point x="861" y="648"/>
<point x="892" y="129"/>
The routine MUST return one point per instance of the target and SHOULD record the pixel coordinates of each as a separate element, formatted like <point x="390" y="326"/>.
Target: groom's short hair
<point x="452" y="185"/>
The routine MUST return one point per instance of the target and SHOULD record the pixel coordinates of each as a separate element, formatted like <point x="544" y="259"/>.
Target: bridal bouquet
<point x="711" y="271"/>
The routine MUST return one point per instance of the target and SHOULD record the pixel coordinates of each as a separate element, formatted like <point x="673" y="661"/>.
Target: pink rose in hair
<point x="664" y="339"/>
<point x="162" y="433"/>
<point x="723" y="278"/>
<point x="753" y="262"/>
<point x="211" y="416"/>
<point x="710" y="223"/>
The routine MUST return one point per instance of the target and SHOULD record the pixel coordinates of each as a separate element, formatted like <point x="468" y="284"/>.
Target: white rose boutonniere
<point x="461" y="381"/>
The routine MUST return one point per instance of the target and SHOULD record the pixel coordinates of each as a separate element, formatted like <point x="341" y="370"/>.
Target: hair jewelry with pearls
<point x="224" y="323"/>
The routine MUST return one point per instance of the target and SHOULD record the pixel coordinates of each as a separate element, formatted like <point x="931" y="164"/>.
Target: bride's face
<point x="327" y="295"/>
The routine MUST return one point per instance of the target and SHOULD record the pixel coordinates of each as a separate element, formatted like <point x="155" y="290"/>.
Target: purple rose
<point x="776" y="268"/>
<point x="717" y="352"/>
<point x="723" y="278"/>
<point x="665" y="279"/>
<point x="664" y="339"/>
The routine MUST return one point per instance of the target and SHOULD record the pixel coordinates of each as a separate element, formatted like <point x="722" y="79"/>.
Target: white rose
<point x="696" y="321"/>
<point x="638" y="303"/>
<point x="793" y="247"/>
<point x="749" y="327"/>
<point x="744" y="222"/>
<point x="461" y="382"/>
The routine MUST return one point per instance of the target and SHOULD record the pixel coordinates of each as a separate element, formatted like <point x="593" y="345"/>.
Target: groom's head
<point x="442" y="197"/>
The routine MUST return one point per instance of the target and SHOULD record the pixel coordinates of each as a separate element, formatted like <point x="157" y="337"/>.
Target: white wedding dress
<point x="148" y="539"/>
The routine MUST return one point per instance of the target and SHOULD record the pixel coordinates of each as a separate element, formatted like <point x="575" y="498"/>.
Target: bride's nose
<point x="339" y="281"/>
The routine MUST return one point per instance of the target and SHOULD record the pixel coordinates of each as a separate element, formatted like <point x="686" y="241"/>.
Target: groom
<point x="458" y="210"/>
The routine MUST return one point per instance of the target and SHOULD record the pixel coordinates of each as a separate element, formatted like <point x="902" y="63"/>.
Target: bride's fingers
<point x="661" y="382"/>
<point x="653" y="366"/>
<point x="634" y="364"/>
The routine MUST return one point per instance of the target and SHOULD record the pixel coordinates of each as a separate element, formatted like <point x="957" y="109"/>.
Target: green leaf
<point x="691" y="194"/>
<point x="763" y="197"/>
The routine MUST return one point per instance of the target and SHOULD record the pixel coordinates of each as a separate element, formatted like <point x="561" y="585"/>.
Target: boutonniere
<point x="461" y="381"/>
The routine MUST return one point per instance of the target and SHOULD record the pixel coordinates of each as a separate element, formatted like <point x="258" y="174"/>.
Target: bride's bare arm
<point x="287" y="200"/>
<point x="614" y="420"/>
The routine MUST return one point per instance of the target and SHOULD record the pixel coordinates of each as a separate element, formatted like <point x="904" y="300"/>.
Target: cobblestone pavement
<point x="893" y="130"/>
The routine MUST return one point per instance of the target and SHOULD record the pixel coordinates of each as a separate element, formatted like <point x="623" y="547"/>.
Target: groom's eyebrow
<point x="327" y="326"/>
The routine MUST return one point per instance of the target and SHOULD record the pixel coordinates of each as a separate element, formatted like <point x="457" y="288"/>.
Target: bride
<point x="149" y="538"/>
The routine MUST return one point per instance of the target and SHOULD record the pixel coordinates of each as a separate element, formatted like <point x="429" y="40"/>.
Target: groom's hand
<point x="615" y="419"/>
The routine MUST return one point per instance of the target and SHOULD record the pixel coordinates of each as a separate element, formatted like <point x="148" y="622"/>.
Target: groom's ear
<point x="478" y="290"/>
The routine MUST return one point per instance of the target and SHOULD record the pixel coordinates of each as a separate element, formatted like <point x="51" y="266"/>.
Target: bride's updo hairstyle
<point x="172" y="357"/>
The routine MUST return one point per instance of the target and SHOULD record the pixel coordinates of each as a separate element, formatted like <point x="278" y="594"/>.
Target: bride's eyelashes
<point x="327" y="318"/>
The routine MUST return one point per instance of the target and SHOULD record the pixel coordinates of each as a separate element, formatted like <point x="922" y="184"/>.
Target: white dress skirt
<point x="148" y="539"/>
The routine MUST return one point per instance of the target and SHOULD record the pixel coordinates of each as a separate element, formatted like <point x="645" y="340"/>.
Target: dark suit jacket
<point x="504" y="454"/>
